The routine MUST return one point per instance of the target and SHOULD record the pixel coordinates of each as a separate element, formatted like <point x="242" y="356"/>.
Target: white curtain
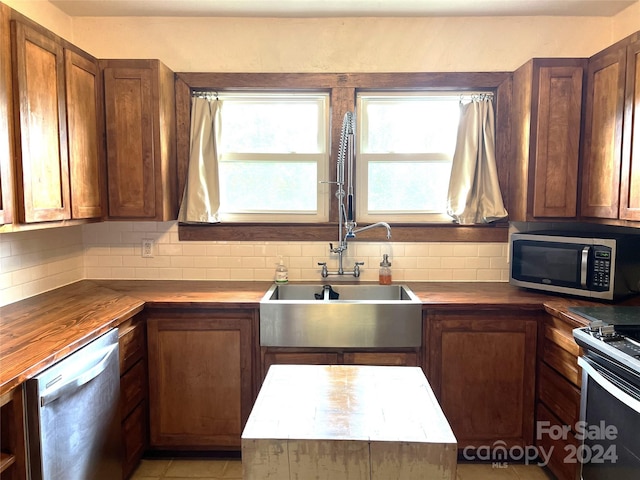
<point x="201" y="198"/>
<point x="474" y="192"/>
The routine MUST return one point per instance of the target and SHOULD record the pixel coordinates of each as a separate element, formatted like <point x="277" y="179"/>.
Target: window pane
<point x="412" y="125"/>
<point x="251" y="186"/>
<point x="408" y="186"/>
<point x="275" y="126"/>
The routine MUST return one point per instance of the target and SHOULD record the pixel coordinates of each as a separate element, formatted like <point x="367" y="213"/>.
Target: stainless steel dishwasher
<point x="73" y="416"/>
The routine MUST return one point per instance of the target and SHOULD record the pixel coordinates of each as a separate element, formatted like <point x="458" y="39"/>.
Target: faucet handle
<point x="356" y="269"/>
<point x="325" y="271"/>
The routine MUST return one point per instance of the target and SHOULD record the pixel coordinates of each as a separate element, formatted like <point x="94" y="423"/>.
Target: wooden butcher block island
<point x="339" y="422"/>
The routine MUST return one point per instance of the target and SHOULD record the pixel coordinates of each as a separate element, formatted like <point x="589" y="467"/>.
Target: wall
<point x="342" y="44"/>
<point x="113" y="250"/>
<point x="626" y="23"/>
<point x="32" y="262"/>
<point x="47" y="15"/>
<point x="40" y="260"/>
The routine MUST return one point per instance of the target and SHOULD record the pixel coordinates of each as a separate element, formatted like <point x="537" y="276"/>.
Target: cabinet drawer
<point x="560" y="351"/>
<point x="134" y="438"/>
<point x="132" y="388"/>
<point x="381" y="358"/>
<point x="562" y="461"/>
<point x="561" y="334"/>
<point x="132" y="342"/>
<point x="559" y="395"/>
<point x="563" y="362"/>
<point x="285" y="358"/>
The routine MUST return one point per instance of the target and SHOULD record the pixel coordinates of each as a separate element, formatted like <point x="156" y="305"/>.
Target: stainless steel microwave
<point x="605" y="267"/>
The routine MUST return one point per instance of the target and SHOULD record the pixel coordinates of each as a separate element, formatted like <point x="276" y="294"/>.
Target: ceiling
<point x="340" y="8"/>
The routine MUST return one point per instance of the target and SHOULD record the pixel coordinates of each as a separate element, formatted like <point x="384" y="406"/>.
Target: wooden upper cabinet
<point x="84" y="125"/>
<point x="630" y="178"/>
<point x="545" y="143"/>
<point x="140" y="128"/>
<point x="6" y="119"/>
<point x="43" y="169"/>
<point x="603" y="134"/>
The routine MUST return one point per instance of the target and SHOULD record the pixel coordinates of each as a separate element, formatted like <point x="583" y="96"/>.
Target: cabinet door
<point x="130" y="139"/>
<point x="482" y="369"/>
<point x="43" y="186"/>
<point x="6" y="117"/>
<point x="200" y="384"/>
<point x="557" y="143"/>
<point x="603" y="135"/>
<point x="83" y="124"/>
<point x="630" y="182"/>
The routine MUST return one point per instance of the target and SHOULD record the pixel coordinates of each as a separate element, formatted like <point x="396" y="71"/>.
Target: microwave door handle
<point x="583" y="266"/>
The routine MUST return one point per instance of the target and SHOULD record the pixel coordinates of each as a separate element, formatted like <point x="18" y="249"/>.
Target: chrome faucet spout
<point x="378" y="224"/>
<point x="346" y="218"/>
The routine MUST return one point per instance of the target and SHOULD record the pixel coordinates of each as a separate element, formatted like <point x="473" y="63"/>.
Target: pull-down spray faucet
<point x="345" y="213"/>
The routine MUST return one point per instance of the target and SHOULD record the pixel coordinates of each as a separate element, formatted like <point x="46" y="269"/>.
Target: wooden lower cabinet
<point x="558" y="395"/>
<point x="306" y="356"/>
<point x="133" y="392"/>
<point x="482" y="370"/>
<point x="135" y="429"/>
<point x="559" y="449"/>
<point x="12" y="436"/>
<point x="200" y="377"/>
<point x="381" y="358"/>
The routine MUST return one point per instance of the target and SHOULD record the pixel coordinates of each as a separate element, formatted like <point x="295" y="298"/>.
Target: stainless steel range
<point x="610" y="397"/>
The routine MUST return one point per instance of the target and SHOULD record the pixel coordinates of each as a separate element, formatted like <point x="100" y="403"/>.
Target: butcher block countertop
<point x="354" y="421"/>
<point x="38" y="331"/>
<point x="432" y="294"/>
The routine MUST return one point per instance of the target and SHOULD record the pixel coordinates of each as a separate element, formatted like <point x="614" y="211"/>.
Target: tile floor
<point x="189" y="469"/>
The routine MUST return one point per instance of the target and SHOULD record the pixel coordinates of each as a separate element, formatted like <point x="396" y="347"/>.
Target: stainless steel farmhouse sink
<point x="362" y="316"/>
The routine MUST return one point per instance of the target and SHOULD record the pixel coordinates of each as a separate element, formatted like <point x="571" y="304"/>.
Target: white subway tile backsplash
<point x="218" y="274"/>
<point x="491" y="249"/>
<point x="194" y="273"/>
<point x="38" y="260"/>
<point x="35" y="261"/>
<point x="465" y="249"/>
<point x="487" y="275"/>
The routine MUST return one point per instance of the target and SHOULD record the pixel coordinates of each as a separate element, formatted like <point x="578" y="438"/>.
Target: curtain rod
<point x="204" y="94"/>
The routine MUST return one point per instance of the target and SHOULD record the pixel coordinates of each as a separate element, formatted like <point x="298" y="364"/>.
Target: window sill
<point x="247" y="232"/>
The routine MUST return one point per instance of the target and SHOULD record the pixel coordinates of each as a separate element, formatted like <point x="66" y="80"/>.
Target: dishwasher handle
<point x="56" y="391"/>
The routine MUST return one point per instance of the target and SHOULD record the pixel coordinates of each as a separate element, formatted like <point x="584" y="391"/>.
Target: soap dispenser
<point x="385" y="270"/>
<point x="282" y="274"/>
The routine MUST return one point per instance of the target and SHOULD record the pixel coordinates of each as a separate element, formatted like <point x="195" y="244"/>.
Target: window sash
<point x="364" y="159"/>
<point x="318" y="155"/>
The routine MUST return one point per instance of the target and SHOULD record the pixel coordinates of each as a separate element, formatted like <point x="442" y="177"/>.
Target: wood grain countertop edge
<point x="119" y="300"/>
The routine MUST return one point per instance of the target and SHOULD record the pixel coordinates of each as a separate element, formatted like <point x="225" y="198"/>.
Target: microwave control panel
<point x="601" y="272"/>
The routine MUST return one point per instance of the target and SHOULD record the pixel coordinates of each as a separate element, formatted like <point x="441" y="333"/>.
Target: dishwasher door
<point x="73" y="415"/>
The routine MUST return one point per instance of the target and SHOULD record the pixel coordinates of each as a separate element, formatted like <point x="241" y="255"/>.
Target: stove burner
<point x="613" y="333"/>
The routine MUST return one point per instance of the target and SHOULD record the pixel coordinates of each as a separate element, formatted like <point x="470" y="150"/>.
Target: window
<point x="406" y="143"/>
<point x="273" y="152"/>
<point x="339" y="89"/>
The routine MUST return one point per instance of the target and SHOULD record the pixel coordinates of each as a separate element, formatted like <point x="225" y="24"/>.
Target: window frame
<point x="320" y="159"/>
<point x="342" y="89"/>
<point x="364" y="159"/>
